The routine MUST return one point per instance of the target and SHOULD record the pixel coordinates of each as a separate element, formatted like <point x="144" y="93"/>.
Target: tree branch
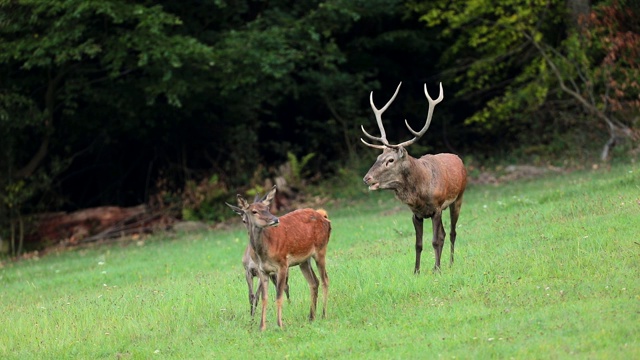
<point x="616" y="128"/>
<point x="50" y="100"/>
<point x="342" y="122"/>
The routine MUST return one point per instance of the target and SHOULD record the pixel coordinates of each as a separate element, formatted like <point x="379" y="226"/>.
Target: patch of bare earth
<point x="513" y="173"/>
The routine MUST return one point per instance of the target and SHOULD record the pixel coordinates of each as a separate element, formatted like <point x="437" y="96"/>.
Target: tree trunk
<point x="50" y="105"/>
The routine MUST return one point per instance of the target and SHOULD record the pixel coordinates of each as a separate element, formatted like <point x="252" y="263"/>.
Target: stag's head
<point x="256" y="214"/>
<point x="387" y="171"/>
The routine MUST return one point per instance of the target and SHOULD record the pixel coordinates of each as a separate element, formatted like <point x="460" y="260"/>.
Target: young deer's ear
<point x="269" y="198"/>
<point x="236" y="209"/>
<point x="242" y="202"/>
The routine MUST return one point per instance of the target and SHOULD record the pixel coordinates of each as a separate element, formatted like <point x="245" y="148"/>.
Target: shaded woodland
<point x="176" y="106"/>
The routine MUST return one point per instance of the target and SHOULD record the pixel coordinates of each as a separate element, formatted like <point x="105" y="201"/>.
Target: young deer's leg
<point x="281" y="282"/>
<point x="286" y="284"/>
<point x="418" y="225"/>
<point x="286" y="287"/>
<point x="274" y="280"/>
<point x="438" y="237"/>
<point x="249" y="276"/>
<point x="256" y="296"/>
<point x="322" y="268"/>
<point x="312" y="279"/>
<point x="454" y="210"/>
<point x="264" y="285"/>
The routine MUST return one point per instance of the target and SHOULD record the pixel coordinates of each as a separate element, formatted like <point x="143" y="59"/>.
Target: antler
<point x="378" y="114"/>
<point x="416" y="134"/>
<point x="432" y="105"/>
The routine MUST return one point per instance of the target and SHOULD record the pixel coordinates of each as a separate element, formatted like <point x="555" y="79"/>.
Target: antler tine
<point x="381" y="147"/>
<point x="378" y="113"/>
<point x="432" y="104"/>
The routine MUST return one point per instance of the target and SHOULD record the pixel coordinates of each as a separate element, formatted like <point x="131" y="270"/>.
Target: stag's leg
<point x="312" y="279"/>
<point x="454" y="210"/>
<point x="281" y="283"/>
<point x="322" y="268"/>
<point x="438" y="237"/>
<point x="264" y="285"/>
<point x="418" y="225"/>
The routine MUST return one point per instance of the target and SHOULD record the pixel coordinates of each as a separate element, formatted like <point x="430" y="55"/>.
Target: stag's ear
<point x="269" y="198"/>
<point x="401" y="152"/>
<point x="242" y="202"/>
<point x="236" y="209"/>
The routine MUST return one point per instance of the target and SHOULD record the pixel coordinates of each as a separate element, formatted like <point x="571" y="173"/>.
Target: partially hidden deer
<point x="290" y="240"/>
<point x="250" y="263"/>
<point x="428" y="185"/>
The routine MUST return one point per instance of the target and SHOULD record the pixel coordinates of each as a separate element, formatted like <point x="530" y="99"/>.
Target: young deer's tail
<point x="323" y="212"/>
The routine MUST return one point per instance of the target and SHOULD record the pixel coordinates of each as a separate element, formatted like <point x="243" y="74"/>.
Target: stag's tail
<point x="323" y="212"/>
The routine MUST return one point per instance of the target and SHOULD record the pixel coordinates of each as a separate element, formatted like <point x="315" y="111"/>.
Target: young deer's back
<point x="300" y="234"/>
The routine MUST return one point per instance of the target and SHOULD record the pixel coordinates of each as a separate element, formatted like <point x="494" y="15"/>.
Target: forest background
<point x="179" y="105"/>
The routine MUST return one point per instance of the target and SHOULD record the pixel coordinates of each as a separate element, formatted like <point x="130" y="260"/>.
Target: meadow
<point x="545" y="269"/>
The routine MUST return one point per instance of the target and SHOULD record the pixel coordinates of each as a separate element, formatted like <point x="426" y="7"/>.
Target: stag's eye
<point x="254" y="212"/>
<point x="389" y="162"/>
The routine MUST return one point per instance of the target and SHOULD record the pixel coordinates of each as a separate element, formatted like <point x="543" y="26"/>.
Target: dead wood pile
<point x="95" y="224"/>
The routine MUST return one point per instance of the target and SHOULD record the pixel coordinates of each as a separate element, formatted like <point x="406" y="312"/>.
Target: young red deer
<point x="250" y="263"/>
<point x="279" y="243"/>
<point x="428" y="185"/>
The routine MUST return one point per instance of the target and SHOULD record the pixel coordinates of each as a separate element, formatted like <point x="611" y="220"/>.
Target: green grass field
<point x="545" y="269"/>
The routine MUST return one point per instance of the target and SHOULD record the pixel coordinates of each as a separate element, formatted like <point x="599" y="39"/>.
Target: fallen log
<point x="88" y="225"/>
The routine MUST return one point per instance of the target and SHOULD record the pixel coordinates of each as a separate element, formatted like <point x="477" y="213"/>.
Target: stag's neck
<point x="411" y="188"/>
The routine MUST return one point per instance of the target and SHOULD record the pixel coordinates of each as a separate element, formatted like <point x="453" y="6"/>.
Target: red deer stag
<point x="428" y="185"/>
<point x="279" y="243"/>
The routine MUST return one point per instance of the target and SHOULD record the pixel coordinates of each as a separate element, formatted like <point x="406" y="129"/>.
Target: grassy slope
<point x="544" y="269"/>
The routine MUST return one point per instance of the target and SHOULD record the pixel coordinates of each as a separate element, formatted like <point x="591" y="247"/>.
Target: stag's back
<point x="450" y="171"/>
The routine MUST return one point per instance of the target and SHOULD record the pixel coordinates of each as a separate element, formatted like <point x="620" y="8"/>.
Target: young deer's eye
<point x="254" y="212"/>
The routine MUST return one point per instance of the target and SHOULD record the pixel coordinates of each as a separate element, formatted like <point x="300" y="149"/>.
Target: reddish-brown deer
<point x="279" y="243"/>
<point x="250" y="263"/>
<point x="428" y="185"/>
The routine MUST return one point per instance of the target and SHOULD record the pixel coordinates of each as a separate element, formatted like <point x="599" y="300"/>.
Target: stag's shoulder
<point x="441" y="160"/>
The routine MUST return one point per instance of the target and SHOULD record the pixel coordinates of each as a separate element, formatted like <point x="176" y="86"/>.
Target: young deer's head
<point x="256" y="214"/>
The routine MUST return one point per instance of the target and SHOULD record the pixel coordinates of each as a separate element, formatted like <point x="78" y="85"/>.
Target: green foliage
<point x="215" y="84"/>
<point x="64" y="59"/>
<point x="490" y="53"/>
<point x="297" y="172"/>
<point x="528" y="62"/>
<point x="528" y="280"/>
<point x="204" y="200"/>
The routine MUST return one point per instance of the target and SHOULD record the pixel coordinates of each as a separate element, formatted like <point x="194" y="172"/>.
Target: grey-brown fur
<point x="428" y="185"/>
